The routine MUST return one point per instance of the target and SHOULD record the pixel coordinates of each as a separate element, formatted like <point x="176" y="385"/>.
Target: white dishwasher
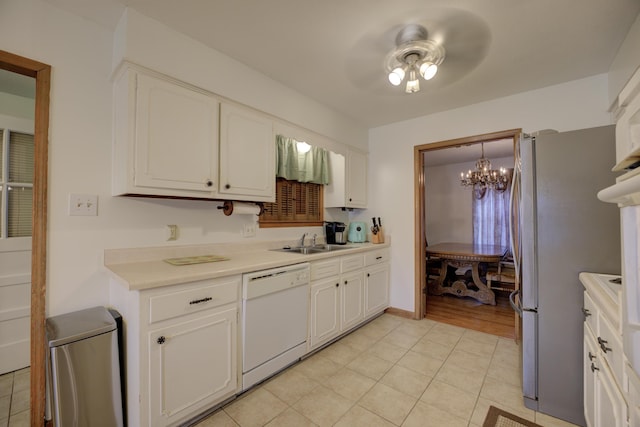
<point x="274" y="320"/>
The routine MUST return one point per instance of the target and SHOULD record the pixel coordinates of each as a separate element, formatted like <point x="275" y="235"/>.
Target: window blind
<point x="16" y="180"/>
<point x="297" y="204"/>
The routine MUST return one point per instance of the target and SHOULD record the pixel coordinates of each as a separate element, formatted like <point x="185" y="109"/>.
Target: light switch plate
<point x="83" y="204"/>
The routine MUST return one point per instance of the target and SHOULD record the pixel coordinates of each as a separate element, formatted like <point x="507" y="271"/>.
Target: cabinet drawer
<point x="590" y="313"/>
<point x="350" y="263"/>
<point x="609" y="340"/>
<point x="376" y="257"/>
<point x="201" y="296"/>
<point x="323" y="269"/>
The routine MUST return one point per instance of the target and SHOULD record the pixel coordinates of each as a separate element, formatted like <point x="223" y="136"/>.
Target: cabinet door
<point x="376" y="289"/>
<point x="325" y="312"/>
<point x="247" y="155"/>
<point x="352" y="309"/>
<point x="192" y="365"/>
<point x="176" y="138"/>
<point x="610" y="405"/>
<point x="356" y="180"/>
<point x="589" y="377"/>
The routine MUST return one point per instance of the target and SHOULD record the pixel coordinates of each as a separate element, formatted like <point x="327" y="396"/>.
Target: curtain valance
<point x="295" y="165"/>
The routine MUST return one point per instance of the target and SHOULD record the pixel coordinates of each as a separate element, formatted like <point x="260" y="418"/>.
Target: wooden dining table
<point x="461" y="255"/>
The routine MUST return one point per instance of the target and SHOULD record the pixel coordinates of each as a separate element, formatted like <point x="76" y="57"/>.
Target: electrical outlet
<point x="172" y="232"/>
<point x="83" y="204"/>
<point x="249" y="230"/>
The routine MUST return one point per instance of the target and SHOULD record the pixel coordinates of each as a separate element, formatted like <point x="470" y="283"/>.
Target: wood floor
<point x="466" y="312"/>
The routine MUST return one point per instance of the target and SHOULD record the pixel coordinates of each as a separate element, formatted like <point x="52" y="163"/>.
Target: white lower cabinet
<point x="345" y="292"/>
<point x="182" y="341"/>
<point x="182" y="349"/>
<point x="336" y="301"/>
<point x="376" y="282"/>
<point x="604" y="399"/>
<point x="604" y="402"/>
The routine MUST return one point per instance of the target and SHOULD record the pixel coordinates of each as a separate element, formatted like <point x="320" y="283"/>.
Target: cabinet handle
<point x="227" y="186"/>
<point x="346" y="282"/>
<point x="368" y="274"/>
<point x="209" y="183"/>
<point x="585" y="312"/>
<point x="603" y="345"/>
<point x="161" y="339"/>
<point x="591" y="356"/>
<point x="350" y="199"/>
<point x="594" y="368"/>
<point x="200" y="301"/>
<point x="378" y="257"/>
<point x="337" y="284"/>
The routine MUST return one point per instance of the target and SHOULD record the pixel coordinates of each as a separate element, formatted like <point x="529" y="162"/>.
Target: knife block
<point x="378" y="237"/>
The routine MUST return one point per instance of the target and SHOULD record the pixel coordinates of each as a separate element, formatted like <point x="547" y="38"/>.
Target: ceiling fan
<point x="415" y="55"/>
<point x="447" y="41"/>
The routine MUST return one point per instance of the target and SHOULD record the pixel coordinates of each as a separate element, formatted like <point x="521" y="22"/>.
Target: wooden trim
<point x="265" y="224"/>
<point x="420" y="240"/>
<point x="419" y="203"/>
<point x="401" y="313"/>
<point x="42" y="73"/>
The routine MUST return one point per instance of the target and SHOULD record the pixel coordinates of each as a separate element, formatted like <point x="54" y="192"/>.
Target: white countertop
<point x="609" y="294"/>
<point x="144" y="268"/>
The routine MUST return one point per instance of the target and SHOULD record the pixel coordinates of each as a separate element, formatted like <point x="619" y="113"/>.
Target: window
<point x="16" y="183"/>
<point x="297" y="204"/>
<point x="491" y="218"/>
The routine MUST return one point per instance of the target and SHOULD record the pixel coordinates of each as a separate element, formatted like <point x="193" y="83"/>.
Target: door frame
<point x="420" y="197"/>
<point x="42" y="73"/>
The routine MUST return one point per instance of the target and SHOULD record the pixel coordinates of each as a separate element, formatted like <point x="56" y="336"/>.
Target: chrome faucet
<point x="313" y="242"/>
<point x="301" y="244"/>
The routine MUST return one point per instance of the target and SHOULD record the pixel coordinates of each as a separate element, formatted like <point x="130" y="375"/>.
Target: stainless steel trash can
<point x="84" y="369"/>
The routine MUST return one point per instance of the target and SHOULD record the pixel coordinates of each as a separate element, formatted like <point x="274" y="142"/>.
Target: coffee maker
<point x="335" y="233"/>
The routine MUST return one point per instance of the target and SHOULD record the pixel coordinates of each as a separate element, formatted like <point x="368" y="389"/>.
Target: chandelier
<point x="484" y="177"/>
<point x="413" y="56"/>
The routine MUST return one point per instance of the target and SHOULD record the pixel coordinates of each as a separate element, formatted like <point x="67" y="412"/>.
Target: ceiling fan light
<point x="413" y="86"/>
<point x="396" y="76"/>
<point x="428" y="70"/>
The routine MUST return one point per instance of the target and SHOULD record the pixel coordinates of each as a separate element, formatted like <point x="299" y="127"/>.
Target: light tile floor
<point x="391" y="372"/>
<point x="14" y="398"/>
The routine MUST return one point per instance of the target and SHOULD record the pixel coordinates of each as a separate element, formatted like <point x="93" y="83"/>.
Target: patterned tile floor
<point x="14" y="398"/>
<point x="391" y="372"/>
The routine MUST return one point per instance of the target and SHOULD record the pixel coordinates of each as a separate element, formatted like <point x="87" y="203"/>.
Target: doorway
<point x="420" y="196"/>
<point x="42" y="75"/>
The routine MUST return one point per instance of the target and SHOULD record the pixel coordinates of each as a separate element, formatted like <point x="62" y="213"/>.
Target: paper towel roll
<point x="240" y="208"/>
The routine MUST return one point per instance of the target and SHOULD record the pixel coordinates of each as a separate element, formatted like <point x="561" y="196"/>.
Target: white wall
<point x="448" y="205"/>
<point x="81" y="55"/>
<point x="574" y="105"/>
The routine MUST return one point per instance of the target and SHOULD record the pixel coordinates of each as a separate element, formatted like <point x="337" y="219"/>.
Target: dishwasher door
<point x="274" y="328"/>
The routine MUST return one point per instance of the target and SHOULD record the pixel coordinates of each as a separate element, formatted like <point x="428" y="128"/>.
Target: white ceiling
<point x="333" y="50"/>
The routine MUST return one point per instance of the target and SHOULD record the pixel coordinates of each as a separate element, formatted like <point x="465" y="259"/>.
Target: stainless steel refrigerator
<point x="563" y="230"/>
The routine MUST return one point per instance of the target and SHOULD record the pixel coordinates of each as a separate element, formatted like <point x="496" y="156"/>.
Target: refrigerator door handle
<point x="514" y="213"/>
<point x="514" y="304"/>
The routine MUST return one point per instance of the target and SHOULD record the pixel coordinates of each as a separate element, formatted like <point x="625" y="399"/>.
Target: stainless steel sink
<point x="308" y="250"/>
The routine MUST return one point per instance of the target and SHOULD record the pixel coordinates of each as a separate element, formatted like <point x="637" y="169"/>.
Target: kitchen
<point x="76" y="277"/>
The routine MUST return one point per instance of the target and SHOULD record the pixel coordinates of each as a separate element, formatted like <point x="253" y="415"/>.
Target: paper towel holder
<point x="227" y="207"/>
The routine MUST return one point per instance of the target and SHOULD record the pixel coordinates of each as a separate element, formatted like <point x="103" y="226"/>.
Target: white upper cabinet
<point x="356" y="196"/>
<point x="247" y="155"/>
<point x="166" y="138"/>
<point x="628" y="124"/>
<point x="348" y="183"/>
